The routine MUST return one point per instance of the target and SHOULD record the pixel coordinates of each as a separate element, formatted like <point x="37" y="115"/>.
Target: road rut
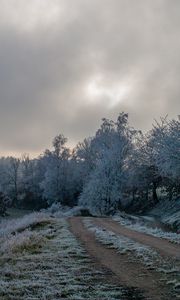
<point x="164" y="247"/>
<point x="129" y="273"/>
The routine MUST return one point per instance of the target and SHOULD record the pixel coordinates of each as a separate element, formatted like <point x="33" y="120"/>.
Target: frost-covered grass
<point x="169" y="268"/>
<point x="60" y="270"/>
<point x="172" y="220"/>
<point x="137" y="225"/>
<point x="121" y="243"/>
<point x="17" y="235"/>
<point x="18" y="225"/>
<point x="20" y="242"/>
<point x="168" y="212"/>
<point x="60" y="211"/>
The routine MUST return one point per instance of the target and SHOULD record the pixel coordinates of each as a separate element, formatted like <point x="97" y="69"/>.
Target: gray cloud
<point x="52" y="51"/>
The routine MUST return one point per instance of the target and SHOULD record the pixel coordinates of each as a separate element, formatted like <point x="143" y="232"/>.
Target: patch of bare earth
<point x="127" y="272"/>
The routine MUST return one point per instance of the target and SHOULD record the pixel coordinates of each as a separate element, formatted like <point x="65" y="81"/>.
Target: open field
<point x="43" y="257"/>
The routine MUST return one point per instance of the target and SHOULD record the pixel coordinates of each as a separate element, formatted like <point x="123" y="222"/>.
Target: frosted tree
<point x="140" y="177"/>
<point x="4" y="182"/>
<point x="75" y="179"/>
<point x="85" y="155"/>
<point x="56" y="164"/>
<point x="29" y="184"/>
<point x="165" y="137"/>
<point x="116" y="168"/>
<point x="12" y="175"/>
<point x="165" y="142"/>
<point x="112" y="144"/>
<point x="103" y="192"/>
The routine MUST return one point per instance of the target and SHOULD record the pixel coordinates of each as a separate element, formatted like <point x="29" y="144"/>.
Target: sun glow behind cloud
<point x="99" y="90"/>
<point x="65" y="64"/>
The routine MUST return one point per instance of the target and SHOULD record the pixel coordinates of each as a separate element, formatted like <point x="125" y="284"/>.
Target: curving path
<point x="129" y="273"/>
<point x="164" y="247"/>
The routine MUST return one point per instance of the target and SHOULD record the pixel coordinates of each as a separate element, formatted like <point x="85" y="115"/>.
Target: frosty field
<point x="48" y="263"/>
<point x="41" y="258"/>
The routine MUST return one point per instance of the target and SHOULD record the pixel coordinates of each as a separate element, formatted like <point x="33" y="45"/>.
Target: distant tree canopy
<point x="118" y="168"/>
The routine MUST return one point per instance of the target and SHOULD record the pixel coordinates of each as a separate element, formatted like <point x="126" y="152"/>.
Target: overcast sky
<point x="65" y="64"/>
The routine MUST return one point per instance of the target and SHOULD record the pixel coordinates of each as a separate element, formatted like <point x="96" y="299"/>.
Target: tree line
<point x="117" y="168"/>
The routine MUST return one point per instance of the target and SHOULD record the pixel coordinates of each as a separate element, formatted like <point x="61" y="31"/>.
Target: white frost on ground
<point x="60" y="269"/>
<point x="20" y="224"/>
<point x="60" y="211"/>
<point x="138" y="252"/>
<point x="16" y="235"/>
<point x="121" y="243"/>
<point x="168" y="212"/>
<point x="138" y="226"/>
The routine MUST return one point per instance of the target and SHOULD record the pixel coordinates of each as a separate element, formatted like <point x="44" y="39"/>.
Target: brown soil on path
<point x="162" y="246"/>
<point x="128" y="273"/>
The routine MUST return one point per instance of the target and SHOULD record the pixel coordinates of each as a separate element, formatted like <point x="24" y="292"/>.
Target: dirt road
<point x="164" y="247"/>
<point x="130" y="273"/>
